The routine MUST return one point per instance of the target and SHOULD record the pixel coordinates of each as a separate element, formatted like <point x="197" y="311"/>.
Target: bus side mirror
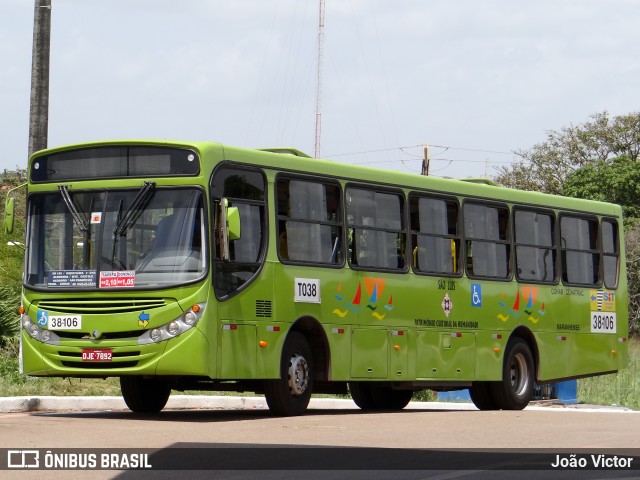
<point x="10" y="209"/>
<point x="228" y="227"/>
<point x="9" y="215"/>
<point x="233" y="223"/>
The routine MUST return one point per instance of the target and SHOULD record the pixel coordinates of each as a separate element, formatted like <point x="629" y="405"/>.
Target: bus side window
<point x="309" y="222"/>
<point x="434" y="227"/>
<point x="377" y="235"/>
<point x="244" y="188"/>
<point x="486" y="230"/>
<point x="580" y="255"/>
<point x="610" y="253"/>
<point x="535" y="246"/>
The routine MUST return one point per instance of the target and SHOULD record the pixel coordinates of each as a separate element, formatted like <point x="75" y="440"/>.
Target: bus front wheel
<point x="144" y="395"/>
<point x="289" y="395"/>
<point x="516" y="388"/>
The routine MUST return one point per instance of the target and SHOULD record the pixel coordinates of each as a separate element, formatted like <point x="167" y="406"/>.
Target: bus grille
<point x="109" y="305"/>
<point x="121" y="360"/>
<point x="263" y="308"/>
<point x="99" y="365"/>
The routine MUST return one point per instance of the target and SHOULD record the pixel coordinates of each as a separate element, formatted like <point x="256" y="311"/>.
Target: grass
<point x="621" y="389"/>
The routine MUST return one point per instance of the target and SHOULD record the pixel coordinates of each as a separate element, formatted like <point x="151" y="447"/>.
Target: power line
<point x="450" y="160"/>
<point x="371" y="151"/>
<point x="474" y="150"/>
<point x="446" y="147"/>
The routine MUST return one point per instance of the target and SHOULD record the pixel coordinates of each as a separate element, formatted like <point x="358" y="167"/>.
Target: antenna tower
<point x="316" y="149"/>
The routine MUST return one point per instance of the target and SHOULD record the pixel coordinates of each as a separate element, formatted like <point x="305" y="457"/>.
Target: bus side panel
<point x="238" y="345"/>
<point x="319" y="296"/>
<point x="339" y="337"/>
<point x="594" y="352"/>
<point x="244" y="320"/>
<point x="489" y="356"/>
<point x="400" y="344"/>
<point x="555" y="361"/>
<point x="367" y="354"/>
<point x="32" y="359"/>
<point x="445" y="355"/>
<point x="185" y="356"/>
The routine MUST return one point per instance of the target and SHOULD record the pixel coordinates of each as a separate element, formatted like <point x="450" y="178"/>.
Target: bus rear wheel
<point x="481" y="396"/>
<point x="516" y="388"/>
<point x="388" y="399"/>
<point x="144" y="395"/>
<point x="368" y="396"/>
<point x="290" y="394"/>
<point x="361" y="395"/>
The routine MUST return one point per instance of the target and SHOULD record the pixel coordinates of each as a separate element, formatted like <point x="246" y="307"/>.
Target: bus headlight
<point x="34" y="330"/>
<point x="155" y="335"/>
<point x="37" y="333"/>
<point x="190" y="318"/>
<point x="45" y="336"/>
<point x="175" y="327"/>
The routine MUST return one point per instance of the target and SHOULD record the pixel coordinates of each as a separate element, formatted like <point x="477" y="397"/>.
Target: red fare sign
<point x="118" y="279"/>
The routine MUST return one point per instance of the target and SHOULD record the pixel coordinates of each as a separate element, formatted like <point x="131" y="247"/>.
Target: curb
<point x="187" y="402"/>
<point x="216" y="402"/>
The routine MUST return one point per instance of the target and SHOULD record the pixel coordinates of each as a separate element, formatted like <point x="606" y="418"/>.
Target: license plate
<point x="96" y="354"/>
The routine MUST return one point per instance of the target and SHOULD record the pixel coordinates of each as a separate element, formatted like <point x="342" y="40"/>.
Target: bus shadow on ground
<point x="229" y="415"/>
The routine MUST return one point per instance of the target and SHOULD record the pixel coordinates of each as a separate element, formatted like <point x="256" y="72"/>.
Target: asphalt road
<point x="213" y="422"/>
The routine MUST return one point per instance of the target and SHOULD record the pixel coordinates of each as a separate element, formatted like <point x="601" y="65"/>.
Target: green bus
<point x="200" y="266"/>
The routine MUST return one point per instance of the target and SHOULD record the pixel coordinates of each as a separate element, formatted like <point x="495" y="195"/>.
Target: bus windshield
<point x="112" y="239"/>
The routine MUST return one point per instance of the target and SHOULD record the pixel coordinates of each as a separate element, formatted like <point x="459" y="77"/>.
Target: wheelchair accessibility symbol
<point x="43" y="318"/>
<point x="476" y="295"/>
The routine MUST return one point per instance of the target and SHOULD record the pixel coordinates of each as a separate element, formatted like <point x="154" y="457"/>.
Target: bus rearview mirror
<point x="9" y="216"/>
<point x="228" y="228"/>
<point x="233" y="223"/>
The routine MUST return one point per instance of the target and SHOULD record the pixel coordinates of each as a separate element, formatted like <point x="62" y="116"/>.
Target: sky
<point x="476" y="80"/>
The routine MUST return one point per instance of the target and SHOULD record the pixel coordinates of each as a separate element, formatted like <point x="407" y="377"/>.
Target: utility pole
<point x="425" y="160"/>
<point x="39" y="109"/>
<point x="316" y="149"/>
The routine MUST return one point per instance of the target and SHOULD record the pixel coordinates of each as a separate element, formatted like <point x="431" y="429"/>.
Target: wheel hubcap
<point x="298" y="375"/>
<point x="519" y="376"/>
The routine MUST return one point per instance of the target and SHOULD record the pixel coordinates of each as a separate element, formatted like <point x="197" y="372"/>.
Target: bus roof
<point x="294" y="161"/>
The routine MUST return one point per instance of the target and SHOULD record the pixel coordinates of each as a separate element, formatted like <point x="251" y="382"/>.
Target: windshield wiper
<point x="80" y="220"/>
<point x="139" y="204"/>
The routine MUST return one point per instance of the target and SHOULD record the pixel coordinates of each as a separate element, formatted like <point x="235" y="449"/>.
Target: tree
<point x="11" y="256"/>
<point x="545" y="166"/>
<point x="614" y="181"/>
<point x="597" y="160"/>
<point x="632" y="247"/>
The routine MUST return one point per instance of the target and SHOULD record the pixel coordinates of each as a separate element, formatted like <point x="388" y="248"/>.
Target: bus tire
<point x="361" y="395"/>
<point x="516" y="388"/>
<point x="290" y="394"/>
<point x="481" y="396"/>
<point x="144" y="395"/>
<point x="368" y="396"/>
<point x="387" y="398"/>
